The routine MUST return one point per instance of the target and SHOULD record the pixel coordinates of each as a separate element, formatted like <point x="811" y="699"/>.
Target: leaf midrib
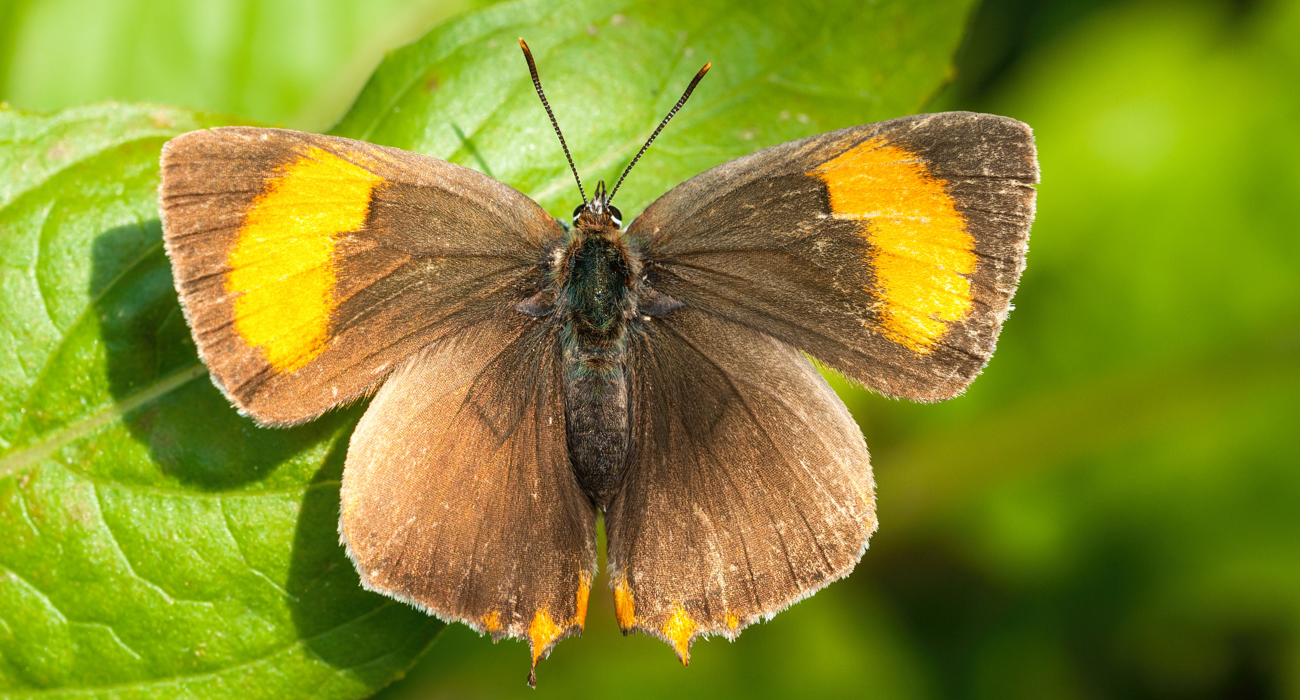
<point x="26" y="457"/>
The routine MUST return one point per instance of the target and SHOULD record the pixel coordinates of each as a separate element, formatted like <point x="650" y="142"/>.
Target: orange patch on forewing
<point x="584" y="593"/>
<point x="923" y="254"/>
<point x="282" y="265"/>
<point x="678" y="630"/>
<point x="624" y="605"/>
<point x="492" y="622"/>
<point x="542" y="632"/>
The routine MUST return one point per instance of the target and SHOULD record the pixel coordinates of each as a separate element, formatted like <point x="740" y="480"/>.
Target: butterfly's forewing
<point x="888" y="251"/>
<point x="458" y="495"/>
<point x="310" y="266"/>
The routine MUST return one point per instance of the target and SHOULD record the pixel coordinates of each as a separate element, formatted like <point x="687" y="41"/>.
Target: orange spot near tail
<point x="584" y="593"/>
<point x="678" y="630"/>
<point x="624" y="605"/>
<point x="542" y="633"/>
<point x="732" y="621"/>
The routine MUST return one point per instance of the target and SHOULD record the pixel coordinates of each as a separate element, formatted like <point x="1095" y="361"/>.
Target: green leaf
<point x="294" y="62"/>
<point x="155" y="543"/>
<point x="613" y="68"/>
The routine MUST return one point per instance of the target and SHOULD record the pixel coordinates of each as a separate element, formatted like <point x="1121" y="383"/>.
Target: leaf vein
<point x="117" y="546"/>
<point x="26" y="457"/>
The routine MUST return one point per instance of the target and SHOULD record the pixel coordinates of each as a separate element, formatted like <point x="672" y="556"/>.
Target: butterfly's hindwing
<point x="458" y="495"/>
<point x="748" y="487"/>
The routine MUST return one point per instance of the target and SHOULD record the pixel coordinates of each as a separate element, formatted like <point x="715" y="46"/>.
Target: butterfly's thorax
<point x="597" y="275"/>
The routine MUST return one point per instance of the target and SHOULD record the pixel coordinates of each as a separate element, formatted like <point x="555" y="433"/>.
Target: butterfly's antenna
<point x="685" y="96"/>
<point x="537" y="83"/>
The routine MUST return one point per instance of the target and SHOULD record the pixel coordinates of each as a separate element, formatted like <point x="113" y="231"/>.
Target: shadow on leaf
<point x="192" y="432"/>
<point x="345" y="625"/>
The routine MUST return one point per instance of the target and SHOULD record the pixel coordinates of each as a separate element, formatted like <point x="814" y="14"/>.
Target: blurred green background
<point x="1113" y="509"/>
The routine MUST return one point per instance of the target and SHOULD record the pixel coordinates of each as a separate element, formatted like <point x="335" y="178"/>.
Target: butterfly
<point x="527" y="374"/>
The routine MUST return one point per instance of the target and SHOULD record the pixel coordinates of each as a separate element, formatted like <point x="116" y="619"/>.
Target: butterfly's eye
<point x="618" y="215"/>
<point x="578" y="211"/>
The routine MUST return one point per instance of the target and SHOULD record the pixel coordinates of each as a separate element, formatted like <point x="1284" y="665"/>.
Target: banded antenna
<point x="537" y="83"/>
<point x="685" y="96"/>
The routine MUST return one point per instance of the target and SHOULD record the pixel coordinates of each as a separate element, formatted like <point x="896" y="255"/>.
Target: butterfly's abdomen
<point x="597" y="306"/>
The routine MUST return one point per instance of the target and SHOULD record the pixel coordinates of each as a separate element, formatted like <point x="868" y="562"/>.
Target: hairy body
<point x="599" y="302"/>
<point x="596" y="291"/>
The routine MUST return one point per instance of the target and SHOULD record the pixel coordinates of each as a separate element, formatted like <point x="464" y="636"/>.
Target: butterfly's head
<point x="597" y="213"/>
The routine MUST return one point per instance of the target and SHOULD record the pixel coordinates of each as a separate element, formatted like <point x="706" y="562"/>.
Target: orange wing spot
<point x="542" y="633"/>
<point x="584" y="593"/>
<point x="732" y="621"/>
<point x="923" y="253"/>
<point x="678" y="630"/>
<point x="282" y="265"/>
<point x="624" y="605"/>
<point x="492" y="622"/>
